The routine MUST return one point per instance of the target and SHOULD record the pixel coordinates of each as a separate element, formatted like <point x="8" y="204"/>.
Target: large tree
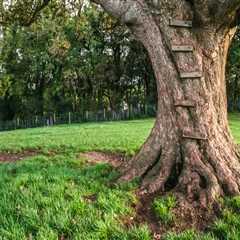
<point x="190" y="148"/>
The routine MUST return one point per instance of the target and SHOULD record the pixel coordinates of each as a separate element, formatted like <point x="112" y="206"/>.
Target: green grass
<point x="47" y="197"/>
<point x="126" y="136"/>
<point x="53" y="196"/>
<point x="189" y="235"/>
<point x="163" y="207"/>
<point x="227" y="227"/>
<point x="234" y="122"/>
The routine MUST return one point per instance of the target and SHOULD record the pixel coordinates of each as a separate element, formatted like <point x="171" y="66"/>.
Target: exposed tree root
<point x="201" y="172"/>
<point x="187" y="216"/>
<point x="156" y="179"/>
<point x="150" y="151"/>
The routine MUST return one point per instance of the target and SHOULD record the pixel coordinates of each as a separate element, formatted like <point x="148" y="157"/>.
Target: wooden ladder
<point x="186" y="75"/>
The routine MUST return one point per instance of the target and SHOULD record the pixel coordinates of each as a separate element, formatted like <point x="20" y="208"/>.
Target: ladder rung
<point x="156" y="12"/>
<point x="191" y="75"/>
<point x="182" y="48"/>
<point x="180" y="23"/>
<point x="184" y="104"/>
<point x="194" y="136"/>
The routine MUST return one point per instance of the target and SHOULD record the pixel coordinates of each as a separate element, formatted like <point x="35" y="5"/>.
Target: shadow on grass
<point x="52" y="198"/>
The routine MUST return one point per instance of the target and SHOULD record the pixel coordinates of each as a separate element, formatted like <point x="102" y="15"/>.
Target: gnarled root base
<point x="187" y="216"/>
<point x="199" y="171"/>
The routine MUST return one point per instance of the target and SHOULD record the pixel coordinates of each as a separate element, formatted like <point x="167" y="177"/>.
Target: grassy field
<point x="61" y="196"/>
<point x="235" y="126"/>
<point x="124" y="136"/>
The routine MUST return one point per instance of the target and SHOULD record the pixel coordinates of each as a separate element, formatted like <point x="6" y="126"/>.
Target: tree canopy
<point x="72" y="56"/>
<point x="72" y="59"/>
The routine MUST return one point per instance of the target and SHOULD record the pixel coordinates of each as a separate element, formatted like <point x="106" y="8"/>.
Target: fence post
<point x="129" y="111"/>
<point x="69" y="118"/>
<point x="104" y="114"/>
<point x="146" y="109"/>
<point x="18" y="122"/>
<point x="47" y="122"/>
<point x="54" y="118"/>
<point x="36" y="120"/>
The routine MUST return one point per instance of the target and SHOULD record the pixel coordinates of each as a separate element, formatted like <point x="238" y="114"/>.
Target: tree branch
<point x="125" y="10"/>
<point x="227" y="8"/>
<point x="219" y="11"/>
<point x="36" y="12"/>
<point x="24" y="12"/>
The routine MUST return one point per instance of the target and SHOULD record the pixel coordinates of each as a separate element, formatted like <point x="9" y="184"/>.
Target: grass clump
<point x="188" y="235"/>
<point x="228" y="225"/>
<point x="233" y="203"/>
<point x="163" y="208"/>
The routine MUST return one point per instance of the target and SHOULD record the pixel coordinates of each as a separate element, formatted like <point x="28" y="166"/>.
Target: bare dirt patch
<point x="90" y="198"/>
<point x="6" y="157"/>
<point x="114" y="159"/>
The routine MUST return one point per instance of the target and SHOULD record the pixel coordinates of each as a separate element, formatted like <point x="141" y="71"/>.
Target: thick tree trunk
<point x="190" y="148"/>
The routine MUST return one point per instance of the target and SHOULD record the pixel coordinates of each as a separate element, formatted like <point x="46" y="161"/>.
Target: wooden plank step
<point x="182" y="48"/>
<point x="180" y="23"/>
<point x="184" y="75"/>
<point x="194" y="136"/>
<point x="184" y="103"/>
<point x="156" y="12"/>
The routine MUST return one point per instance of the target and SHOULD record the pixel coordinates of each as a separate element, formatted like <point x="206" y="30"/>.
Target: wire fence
<point x="77" y="117"/>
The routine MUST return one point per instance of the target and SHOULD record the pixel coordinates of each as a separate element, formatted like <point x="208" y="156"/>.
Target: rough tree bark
<point x="190" y="148"/>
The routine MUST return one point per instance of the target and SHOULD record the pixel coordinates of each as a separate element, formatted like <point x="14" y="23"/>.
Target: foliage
<point x="233" y="77"/>
<point x="72" y="59"/>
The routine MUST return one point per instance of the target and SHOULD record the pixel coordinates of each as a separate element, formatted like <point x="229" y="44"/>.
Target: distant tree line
<point x="72" y="60"/>
<point x="233" y="75"/>
<point x="77" y="59"/>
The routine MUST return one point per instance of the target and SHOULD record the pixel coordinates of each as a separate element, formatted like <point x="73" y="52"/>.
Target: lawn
<point x="125" y="136"/>
<point x="235" y="126"/>
<point x="58" y="195"/>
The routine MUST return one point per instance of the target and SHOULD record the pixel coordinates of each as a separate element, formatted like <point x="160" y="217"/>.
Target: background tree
<point x="74" y="58"/>
<point x="233" y="75"/>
